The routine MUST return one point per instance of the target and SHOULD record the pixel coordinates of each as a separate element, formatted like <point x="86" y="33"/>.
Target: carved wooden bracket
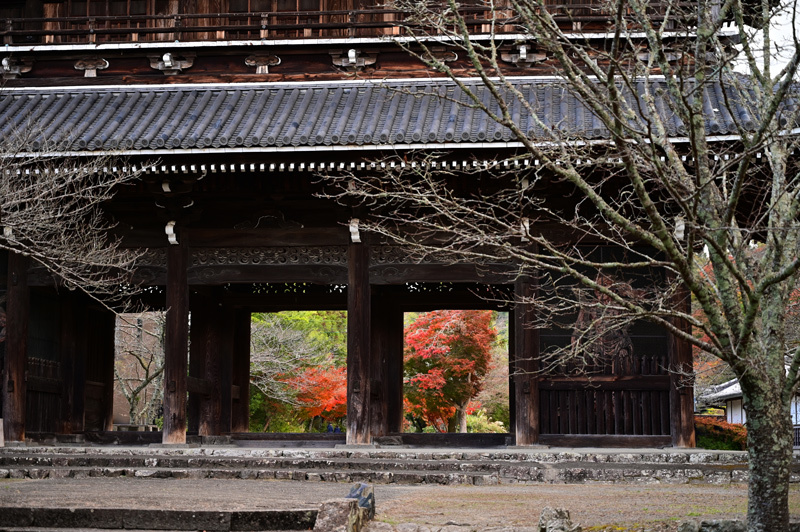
<point x="13" y="67"/>
<point x="171" y="64"/>
<point x="522" y="56"/>
<point x="90" y="66"/>
<point x="353" y="59"/>
<point x="262" y="62"/>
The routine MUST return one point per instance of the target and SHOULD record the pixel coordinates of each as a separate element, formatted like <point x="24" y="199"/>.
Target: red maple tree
<point x="447" y="355"/>
<point x="321" y="392"/>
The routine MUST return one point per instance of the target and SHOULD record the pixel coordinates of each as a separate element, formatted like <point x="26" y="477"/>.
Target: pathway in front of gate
<point x="418" y="508"/>
<point x="417" y="490"/>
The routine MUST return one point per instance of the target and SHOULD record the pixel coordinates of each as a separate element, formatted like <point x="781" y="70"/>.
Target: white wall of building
<point x="735" y="413"/>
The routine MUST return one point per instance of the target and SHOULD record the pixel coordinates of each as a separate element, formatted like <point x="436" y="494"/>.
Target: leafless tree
<point x="51" y="211"/>
<point x="139" y="363"/>
<point x="650" y="175"/>
<point x="280" y="351"/>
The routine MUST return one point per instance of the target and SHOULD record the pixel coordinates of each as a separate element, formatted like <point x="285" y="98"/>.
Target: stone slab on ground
<point x="156" y="519"/>
<point x="178" y="494"/>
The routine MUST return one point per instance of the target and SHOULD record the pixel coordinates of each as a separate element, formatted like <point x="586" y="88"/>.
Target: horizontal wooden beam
<point x="40" y="384"/>
<point x="607" y="382"/>
<point x="197" y="385"/>
<point x="603" y="440"/>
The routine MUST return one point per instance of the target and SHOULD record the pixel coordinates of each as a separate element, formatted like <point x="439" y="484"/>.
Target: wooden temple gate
<point x="67" y="389"/>
<point x="236" y="107"/>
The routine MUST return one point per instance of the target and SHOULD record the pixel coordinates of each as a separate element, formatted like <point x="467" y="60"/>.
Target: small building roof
<point x="291" y="116"/>
<point x="721" y="392"/>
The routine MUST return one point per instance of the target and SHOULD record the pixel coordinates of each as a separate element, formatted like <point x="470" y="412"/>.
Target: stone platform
<point x="378" y="466"/>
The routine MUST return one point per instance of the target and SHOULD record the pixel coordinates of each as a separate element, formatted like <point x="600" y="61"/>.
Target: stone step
<point x="373" y="465"/>
<point x="569" y="473"/>
<point x="226" y="455"/>
<point x="154" y="519"/>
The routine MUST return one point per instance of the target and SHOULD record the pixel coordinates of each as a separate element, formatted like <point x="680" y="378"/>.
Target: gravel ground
<point x="177" y="494"/>
<point x="605" y="506"/>
<point x="624" y="507"/>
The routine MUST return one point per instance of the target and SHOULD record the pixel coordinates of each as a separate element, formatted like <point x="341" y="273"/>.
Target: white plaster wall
<point x="734" y="412"/>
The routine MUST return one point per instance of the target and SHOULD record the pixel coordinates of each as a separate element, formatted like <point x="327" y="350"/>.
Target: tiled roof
<point x="721" y="392"/>
<point x="299" y="115"/>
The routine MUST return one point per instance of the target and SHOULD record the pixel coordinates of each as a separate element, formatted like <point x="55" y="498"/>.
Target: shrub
<point x="480" y="422"/>
<point x="713" y="432"/>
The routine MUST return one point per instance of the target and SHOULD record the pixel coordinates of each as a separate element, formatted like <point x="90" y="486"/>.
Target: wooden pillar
<point x="103" y="327"/>
<point x="210" y="361"/>
<point x="177" y="343"/>
<point x="17" y="317"/>
<point x="225" y="357"/>
<point x="240" y="410"/>
<point x="69" y="353"/>
<point x="681" y="393"/>
<point x="512" y="366"/>
<point x="79" y="367"/>
<point x="205" y="348"/>
<point x="358" y="345"/>
<point x="393" y="385"/>
<point x="526" y="355"/>
<point x="379" y="351"/>
<point x="197" y="364"/>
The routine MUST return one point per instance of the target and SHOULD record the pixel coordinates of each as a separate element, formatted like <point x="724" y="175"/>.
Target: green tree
<point x="287" y="348"/>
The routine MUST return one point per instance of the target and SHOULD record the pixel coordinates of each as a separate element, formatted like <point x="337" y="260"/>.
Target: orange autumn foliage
<point x="321" y="392"/>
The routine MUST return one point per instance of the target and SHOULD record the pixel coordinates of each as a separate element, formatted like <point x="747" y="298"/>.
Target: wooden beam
<point x="526" y="356"/>
<point x="177" y="345"/>
<point x="358" y="345"/>
<point x="681" y="393"/>
<point x="17" y="318"/>
<point x="608" y="382"/>
<point x="240" y="414"/>
<point x="602" y="440"/>
<point x="199" y="386"/>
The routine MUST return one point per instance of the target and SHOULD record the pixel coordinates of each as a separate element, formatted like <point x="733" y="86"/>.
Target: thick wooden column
<point x="240" y="410"/>
<point x="103" y="328"/>
<point x="526" y="354"/>
<point x="69" y="353"/>
<point x="225" y="357"/>
<point x="17" y="317"/>
<point x="76" y="375"/>
<point x="358" y="345"/>
<point x="681" y="393"/>
<point x="379" y="365"/>
<point x="177" y="344"/>
<point x="394" y="370"/>
<point x="205" y="351"/>
<point x="197" y="365"/>
<point x="512" y="368"/>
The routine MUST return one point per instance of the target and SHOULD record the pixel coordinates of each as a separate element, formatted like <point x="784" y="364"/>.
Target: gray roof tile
<point x="426" y="111"/>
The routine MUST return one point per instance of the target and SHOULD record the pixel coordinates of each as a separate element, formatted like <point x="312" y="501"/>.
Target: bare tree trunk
<point x="769" y="447"/>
